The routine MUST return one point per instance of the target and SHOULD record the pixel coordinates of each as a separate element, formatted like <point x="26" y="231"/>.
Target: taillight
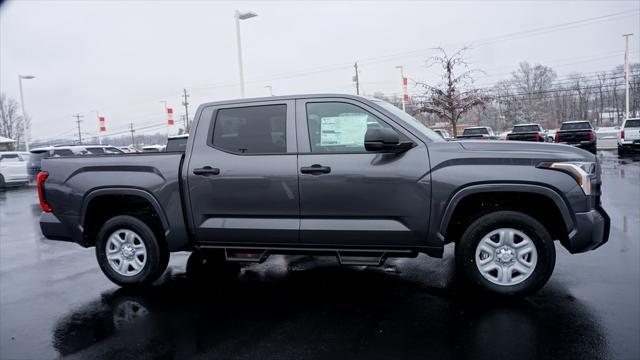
<point x="538" y="137"/>
<point x="42" y="177"/>
<point x="590" y="135"/>
<point x="508" y="136"/>
<point x="557" y="137"/>
<point x="622" y="134"/>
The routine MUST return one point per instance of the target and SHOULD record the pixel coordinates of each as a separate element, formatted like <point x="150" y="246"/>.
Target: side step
<point x="246" y="255"/>
<point x="361" y="258"/>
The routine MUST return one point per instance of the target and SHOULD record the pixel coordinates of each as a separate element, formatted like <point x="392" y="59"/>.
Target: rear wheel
<point x="507" y="253"/>
<point x="129" y="252"/>
<point x="2" y="184"/>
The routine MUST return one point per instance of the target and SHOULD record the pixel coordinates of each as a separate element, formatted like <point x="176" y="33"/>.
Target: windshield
<point x="476" y="131"/>
<point x="634" y="123"/>
<point x="432" y="135"/>
<point x="526" y="128"/>
<point x="576" y="126"/>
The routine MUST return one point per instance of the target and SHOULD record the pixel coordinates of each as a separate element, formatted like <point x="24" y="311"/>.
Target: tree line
<point x="533" y="93"/>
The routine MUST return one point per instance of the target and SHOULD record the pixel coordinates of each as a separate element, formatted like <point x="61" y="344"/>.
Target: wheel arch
<point x="500" y="189"/>
<point x="128" y="193"/>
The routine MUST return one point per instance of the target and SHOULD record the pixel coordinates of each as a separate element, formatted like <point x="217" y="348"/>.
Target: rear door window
<point x="251" y="130"/>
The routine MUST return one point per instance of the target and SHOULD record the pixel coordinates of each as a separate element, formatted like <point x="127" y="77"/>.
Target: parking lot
<point x="54" y="301"/>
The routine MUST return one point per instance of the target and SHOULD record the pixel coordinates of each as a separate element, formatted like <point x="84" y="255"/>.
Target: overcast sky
<point x="123" y="58"/>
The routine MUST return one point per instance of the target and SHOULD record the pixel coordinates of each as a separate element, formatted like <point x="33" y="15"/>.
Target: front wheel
<point x="129" y="252"/>
<point x="507" y="253"/>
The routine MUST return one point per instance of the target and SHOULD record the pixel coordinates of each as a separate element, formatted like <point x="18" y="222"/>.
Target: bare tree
<point x="454" y="96"/>
<point x="10" y="119"/>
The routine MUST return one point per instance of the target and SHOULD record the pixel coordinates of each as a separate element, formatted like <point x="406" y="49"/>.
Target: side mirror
<point x="385" y="140"/>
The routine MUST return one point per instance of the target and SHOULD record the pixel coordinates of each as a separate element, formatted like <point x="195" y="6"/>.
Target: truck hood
<point x="531" y="150"/>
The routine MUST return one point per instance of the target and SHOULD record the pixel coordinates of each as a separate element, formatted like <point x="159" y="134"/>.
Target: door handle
<point x="206" y="171"/>
<point x="315" y="169"/>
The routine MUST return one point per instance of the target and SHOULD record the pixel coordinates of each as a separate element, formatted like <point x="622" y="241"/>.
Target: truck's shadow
<point x="326" y="312"/>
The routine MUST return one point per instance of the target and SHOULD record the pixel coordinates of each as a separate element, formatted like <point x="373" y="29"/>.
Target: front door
<point x="242" y="174"/>
<point x="353" y="197"/>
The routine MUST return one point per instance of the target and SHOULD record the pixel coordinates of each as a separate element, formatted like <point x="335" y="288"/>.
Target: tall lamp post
<point x="24" y="114"/>
<point x="241" y="15"/>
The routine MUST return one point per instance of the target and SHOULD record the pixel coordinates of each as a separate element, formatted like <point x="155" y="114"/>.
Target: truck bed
<point x="72" y="183"/>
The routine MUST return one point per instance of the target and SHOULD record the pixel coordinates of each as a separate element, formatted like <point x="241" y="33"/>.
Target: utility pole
<point x="186" y="111"/>
<point x="626" y="74"/>
<point x="78" y="121"/>
<point x="356" y="79"/>
<point x="133" y="140"/>
<point x="404" y="87"/>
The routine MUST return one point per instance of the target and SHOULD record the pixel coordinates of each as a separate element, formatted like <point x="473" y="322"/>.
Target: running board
<point x="246" y="255"/>
<point x="361" y="258"/>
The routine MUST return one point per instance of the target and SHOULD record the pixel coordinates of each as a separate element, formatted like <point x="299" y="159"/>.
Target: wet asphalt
<point x="54" y="301"/>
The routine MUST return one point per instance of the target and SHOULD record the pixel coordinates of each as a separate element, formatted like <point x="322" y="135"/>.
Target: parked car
<point x="177" y="143"/>
<point x="153" y="148"/>
<point x="579" y="134"/>
<point x="444" y="134"/>
<point x="527" y="132"/>
<point x="13" y="168"/>
<point x="478" y="132"/>
<point x="37" y="154"/>
<point x="260" y="178"/>
<point x="629" y="137"/>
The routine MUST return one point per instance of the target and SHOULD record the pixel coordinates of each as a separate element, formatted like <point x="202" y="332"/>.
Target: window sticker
<point x="343" y="130"/>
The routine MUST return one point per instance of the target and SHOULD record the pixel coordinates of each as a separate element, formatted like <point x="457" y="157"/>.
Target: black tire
<point x="2" y="184"/>
<point x="465" y="252"/>
<point x="157" y="256"/>
<point x="621" y="151"/>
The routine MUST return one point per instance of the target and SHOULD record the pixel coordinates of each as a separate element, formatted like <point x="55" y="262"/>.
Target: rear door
<point x="242" y="174"/>
<point x="353" y="197"/>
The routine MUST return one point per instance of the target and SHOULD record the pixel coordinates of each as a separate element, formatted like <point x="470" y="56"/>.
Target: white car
<point x="629" y="136"/>
<point x="13" y="168"/>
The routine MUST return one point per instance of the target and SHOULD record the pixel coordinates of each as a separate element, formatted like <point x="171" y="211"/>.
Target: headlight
<point x="580" y="171"/>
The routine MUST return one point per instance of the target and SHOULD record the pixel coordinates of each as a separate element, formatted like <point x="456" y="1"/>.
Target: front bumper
<point x="591" y="231"/>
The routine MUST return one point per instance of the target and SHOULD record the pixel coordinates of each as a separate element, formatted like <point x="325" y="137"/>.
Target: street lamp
<point x="24" y="114"/>
<point x="241" y="15"/>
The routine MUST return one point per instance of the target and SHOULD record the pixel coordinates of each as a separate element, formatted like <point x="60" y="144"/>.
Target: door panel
<point x="367" y="198"/>
<point x="252" y="197"/>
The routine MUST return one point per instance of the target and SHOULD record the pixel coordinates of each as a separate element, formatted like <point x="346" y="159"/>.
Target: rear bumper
<point x="54" y="229"/>
<point x="629" y="145"/>
<point x="581" y="144"/>
<point x="591" y="231"/>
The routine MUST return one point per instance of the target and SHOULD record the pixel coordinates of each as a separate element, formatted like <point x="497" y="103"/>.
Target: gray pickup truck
<point x="337" y="175"/>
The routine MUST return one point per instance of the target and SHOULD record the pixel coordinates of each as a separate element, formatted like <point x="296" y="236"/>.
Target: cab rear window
<point x="576" y="126"/>
<point x="635" y="123"/>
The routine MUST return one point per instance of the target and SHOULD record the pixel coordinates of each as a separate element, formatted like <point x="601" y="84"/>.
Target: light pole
<point x="241" y="15"/>
<point x="24" y="114"/>
<point x="270" y="89"/>
<point x="626" y="74"/>
<point x="404" y="90"/>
